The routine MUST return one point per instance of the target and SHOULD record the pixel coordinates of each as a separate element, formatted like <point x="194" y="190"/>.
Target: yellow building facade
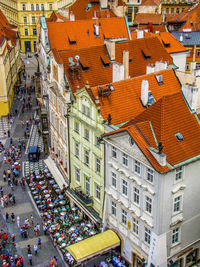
<point x="25" y="14"/>
<point x="176" y="6"/>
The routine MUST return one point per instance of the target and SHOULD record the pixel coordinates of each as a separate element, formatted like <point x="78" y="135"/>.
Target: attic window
<point x="105" y="61"/>
<point x="146" y="53"/>
<point x="159" y="79"/>
<point x="179" y="136"/>
<point x="84" y="65"/>
<point x="166" y="45"/>
<point x="72" y="40"/>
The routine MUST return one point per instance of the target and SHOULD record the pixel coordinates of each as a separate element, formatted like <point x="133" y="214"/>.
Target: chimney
<point x="140" y="34"/>
<point x="126" y="63"/>
<point x="160" y="66"/>
<point x="103" y="4"/>
<point x="71" y="16"/>
<point x="118" y="72"/>
<point x="159" y="155"/>
<point x="144" y="92"/>
<point x="150" y="69"/>
<point x="191" y="94"/>
<point x="96" y="29"/>
<point x="110" y="46"/>
<point x="181" y="38"/>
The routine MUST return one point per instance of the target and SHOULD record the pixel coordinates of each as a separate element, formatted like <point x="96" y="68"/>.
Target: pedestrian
<point x="29" y="249"/>
<point x="30" y="259"/>
<point x="12" y="217"/>
<point x="18" y="221"/>
<point x="35" y="230"/>
<point x="15" y="111"/>
<point x="39" y="242"/>
<point x="13" y="239"/>
<point x="21" y="232"/>
<point x="7" y="217"/>
<point x="38" y="228"/>
<point x="1" y="190"/>
<point x="55" y="261"/>
<point x="35" y="247"/>
<point x="4" y="132"/>
<point x="8" y="132"/>
<point x="11" y="141"/>
<point x="32" y="223"/>
<point x="45" y="229"/>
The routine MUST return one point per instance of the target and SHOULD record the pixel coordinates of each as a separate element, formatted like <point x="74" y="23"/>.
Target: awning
<point x="55" y="172"/>
<point x="94" y="245"/>
<point x="39" y="99"/>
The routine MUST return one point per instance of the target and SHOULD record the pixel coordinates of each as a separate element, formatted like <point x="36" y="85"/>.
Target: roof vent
<point x="159" y="79"/>
<point x="96" y="30"/>
<point x="181" y="38"/>
<point x="179" y="136"/>
<point x="151" y="99"/>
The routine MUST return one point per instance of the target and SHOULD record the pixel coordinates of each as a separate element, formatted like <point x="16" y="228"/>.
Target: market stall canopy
<point x="92" y="246"/>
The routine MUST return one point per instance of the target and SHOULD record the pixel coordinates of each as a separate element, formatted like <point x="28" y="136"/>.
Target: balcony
<point x="85" y="199"/>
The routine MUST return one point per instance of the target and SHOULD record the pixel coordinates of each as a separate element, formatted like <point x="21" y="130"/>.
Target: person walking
<point x="1" y="190"/>
<point x="29" y="249"/>
<point x="35" y="247"/>
<point x="18" y="221"/>
<point x="30" y="257"/>
<point x="12" y="217"/>
<point x="39" y="242"/>
<point x="7" y="217"/>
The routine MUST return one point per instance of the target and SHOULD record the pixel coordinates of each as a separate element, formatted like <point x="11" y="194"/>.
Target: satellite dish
<point x="77" y="57"/>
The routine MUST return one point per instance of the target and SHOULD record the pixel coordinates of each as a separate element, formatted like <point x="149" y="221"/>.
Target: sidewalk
<point x="24" y="207"/>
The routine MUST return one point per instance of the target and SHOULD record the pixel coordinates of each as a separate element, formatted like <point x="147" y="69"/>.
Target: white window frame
<point x="177" y="204"/>
<point x="147" y="235"/>
<point x="98" y="165"/>
<point x="148" y="204"/>
<point x="26" y="31"/>
<point x="33" y="20"/>
<point x="114" y="179"/>
<point x="24" y="7"/>
<point x="137" y="167"/>
<point x="150" y="175"/>
<point x="87" y="185"/>
<point x="77" y="149"/>
<point x="135" y="227"/>
<point x="77" y="174"/>
<point x="87" y="134"/>
<point x="98" y="192"/>
<point x="136" y="195"/>
<point x="124" y="216"/>
<point x="179" y="173"/>
<point x="125" y="159"/>
<point x="176" y="236"/>
<point x="113" y="208"/>
<point x="114" y="152"/>
<point x="50" y="6"/>
<point x="124" y="188"/>
<point x="86" y="157"/>
<point x="76" y="127"/>
<point x="25" y="20"/>
<point x="32" y="7"/>
<point x="37" y="7"/>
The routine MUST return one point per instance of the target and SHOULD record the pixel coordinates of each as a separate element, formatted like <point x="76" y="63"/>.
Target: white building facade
<point x="157" y="216"/>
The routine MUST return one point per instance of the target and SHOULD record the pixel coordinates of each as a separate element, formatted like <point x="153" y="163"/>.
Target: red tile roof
<point x="124" y="103"/>
<point x="150" y="28"/>
<point x="98" y="74"/>
<point x="150" y="2"/>
<point x="168" y="116"/>
<point x="79" y="34"/>
<point x="192" y="18"/>
<point x="56" y="17"/>
<point x="81" y="10"/>
<point x="145" y="18"/>
<point x="7" y="29"/>
<point x="169" y="42"/>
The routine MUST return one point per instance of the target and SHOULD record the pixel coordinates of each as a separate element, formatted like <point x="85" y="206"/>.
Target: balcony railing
<point x="87" y="200"/>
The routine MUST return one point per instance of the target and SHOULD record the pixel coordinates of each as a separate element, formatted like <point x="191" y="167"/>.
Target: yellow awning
<point x="90" y="247"/>
<point x="39" y="99"/>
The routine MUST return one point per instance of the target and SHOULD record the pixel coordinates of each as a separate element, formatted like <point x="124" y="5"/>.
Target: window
<point x="77" y="175"/>
<point x="114" y="152"/>
<point x="183" y="9"/>
<point x="187" y="66"/>
<point x="77" y="150"/>
<point x="86" y="158"/>
<point x="177" y="204"/>
<point x="124" y="216"/>
<point x="177" y="10"/>
<point x="23" y="7"/>
<point x="98" y="165"/>
<point x="114" y="179"/>
<point x="98" y="192"/>
<point x="26" y="32"/>
<point x="125" y="159"/>
<point x="136" y="195"/>
<point x="198" y="66"/>
<point x="175" y="236"/>
<point x="148" y="204"/>
<point x="167" y="10"/>
<point x="97" y="143"/>
<point x="124" y="187"/>
<point x="150" y="175"/>
<point x="50" y="7"/>
<point x="37" y="6"/>
<point x="34" y="32"/>
<point x="135" y="226"/>
<point x="87" y="186"/>
<point x="114" y="208"/>
<point x="42" y="6"/>
<point x="179" y="173"/>
<point x="76" y="127"/>
<point x="198" y="52"/>
<point x="25" y="20"/>
<point x="137" y="166"/>
<point x="33" y="19"/>
<point x="32" y="7"/>
<point x="87" y="134"/>
<point x="147" y="235"/>
<point x="86" y="111"/>
<point x="172" y="10"/>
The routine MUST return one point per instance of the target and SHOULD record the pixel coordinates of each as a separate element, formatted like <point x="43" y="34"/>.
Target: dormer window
<point x="71" y="40"/>
<point x="159" y="79"/>
<point x="166" y="44"/>
<point x="84" y="65"/>
<point x="179" y="136"/>
<point x="146" y="53"/>
<point x="105" y="61"/>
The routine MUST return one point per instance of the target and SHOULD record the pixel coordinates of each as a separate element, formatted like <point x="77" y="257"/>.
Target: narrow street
<point x="24" y="207"/>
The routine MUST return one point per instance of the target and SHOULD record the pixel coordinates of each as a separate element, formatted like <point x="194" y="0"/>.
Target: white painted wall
<point x="179" y="60"/>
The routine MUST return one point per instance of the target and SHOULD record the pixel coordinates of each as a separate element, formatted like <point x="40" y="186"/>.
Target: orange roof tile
<point x="169" y="116"/>
<point x="56" y="17"/>
<point x="81" y="10"/>
<point x="145" y="18"/>
<point x="124" y="103"/>
<point x="192" y="18"/>
<point x="170" y="43"/>
<point x="83" y="32"/>
<point x="96" y="56"/>
<point x="152" y="28"/>
<point x="150" y="2"/>
<point x="7" y="29"/>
